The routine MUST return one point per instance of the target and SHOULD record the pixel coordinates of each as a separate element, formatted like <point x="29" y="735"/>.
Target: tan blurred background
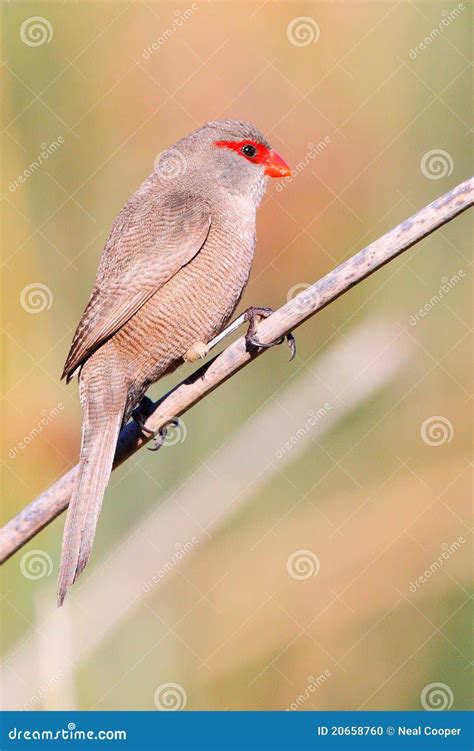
<point x="271" y="558"/>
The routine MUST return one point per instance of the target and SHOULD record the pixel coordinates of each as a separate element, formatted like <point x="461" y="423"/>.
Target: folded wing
<point x="150" y="241"/>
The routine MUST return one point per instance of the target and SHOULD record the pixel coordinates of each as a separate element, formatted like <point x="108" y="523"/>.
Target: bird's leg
<point x="252" y="316"/>
<point x="141" y="413"/>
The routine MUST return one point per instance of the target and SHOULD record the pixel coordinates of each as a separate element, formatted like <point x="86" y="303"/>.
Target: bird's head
<point x="233" y="154"/>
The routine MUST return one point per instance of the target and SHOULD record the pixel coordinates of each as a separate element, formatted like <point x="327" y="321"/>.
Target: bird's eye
<point x="249" y="150"/>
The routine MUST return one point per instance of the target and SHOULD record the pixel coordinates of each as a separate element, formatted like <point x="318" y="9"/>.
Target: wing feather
<point x="150" y="241"/>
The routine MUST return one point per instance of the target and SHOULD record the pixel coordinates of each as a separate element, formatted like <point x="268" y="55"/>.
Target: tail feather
<point x="97" y="453"/>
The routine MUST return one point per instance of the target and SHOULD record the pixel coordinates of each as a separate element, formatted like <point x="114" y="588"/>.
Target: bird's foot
<point x="141" y="414"/>
<point x="196" y="352"/>
<point x="254" y="316"/>
<point x="160" y="435"/>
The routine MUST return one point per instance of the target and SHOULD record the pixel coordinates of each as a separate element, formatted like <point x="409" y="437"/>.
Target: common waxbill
<point x="172" y="272"/>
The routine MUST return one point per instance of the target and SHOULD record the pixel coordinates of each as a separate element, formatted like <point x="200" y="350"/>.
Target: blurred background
<point x="302" y="541"/>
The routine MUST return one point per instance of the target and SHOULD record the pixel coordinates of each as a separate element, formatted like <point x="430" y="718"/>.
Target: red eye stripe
<point x="262" y="152"/>
<point x="274" y="165"/>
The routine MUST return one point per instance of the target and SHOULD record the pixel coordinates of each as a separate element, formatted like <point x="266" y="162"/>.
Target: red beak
<point x="275" y="166"/>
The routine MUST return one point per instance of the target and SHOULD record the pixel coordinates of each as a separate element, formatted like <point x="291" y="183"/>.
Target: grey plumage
<point x="172" y="272"/>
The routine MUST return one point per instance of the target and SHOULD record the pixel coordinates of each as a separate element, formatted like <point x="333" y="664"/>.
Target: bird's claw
<point x="253" y="315"/>
<point x="141" y="413"/>
<point x="160" y="435"/>
<point x="289" y="338"/>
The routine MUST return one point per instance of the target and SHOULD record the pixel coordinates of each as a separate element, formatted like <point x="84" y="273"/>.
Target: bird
<point x="172" y="272"/>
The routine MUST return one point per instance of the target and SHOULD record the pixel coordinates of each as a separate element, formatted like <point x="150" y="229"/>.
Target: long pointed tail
<point x="100" y="431"/>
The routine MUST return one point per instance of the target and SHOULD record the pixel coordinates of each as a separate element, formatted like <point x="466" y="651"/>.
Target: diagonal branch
<point x="55" y="499"/>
